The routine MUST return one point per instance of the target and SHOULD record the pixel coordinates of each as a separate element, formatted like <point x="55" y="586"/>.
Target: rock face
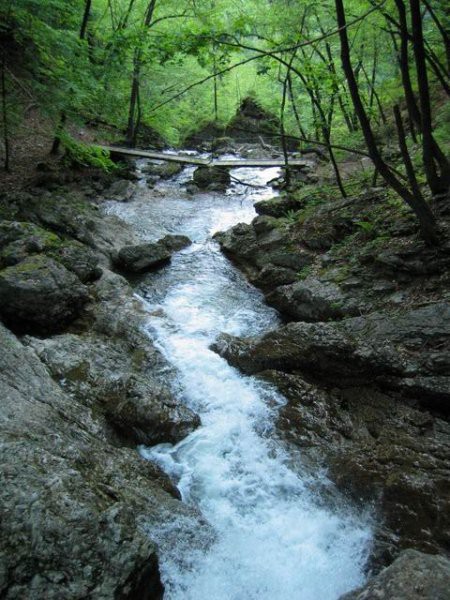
<point x="310" y="300"/>
<point x="264" y="253"/>
<point x="413" y="576"/>
<point x="42" y="276"/>
<point x="19" y="240"/>
<point x="75" y="508"/>
<point x="350" y="264"/>
<point x="212" y="178"/>
<point x="80" y="505"/>
<point x="40" y="294"/>
<point x="377" y="348"/>
<point x="359" y="392"/>
<point x="116" y="377"/>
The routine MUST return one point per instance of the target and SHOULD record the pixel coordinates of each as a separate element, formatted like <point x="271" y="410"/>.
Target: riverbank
<point x="363" y="359"/>
<point x="81" y="386"/>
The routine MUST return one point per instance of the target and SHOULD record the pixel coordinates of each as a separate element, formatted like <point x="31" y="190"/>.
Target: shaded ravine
<point x="274" y="538"/>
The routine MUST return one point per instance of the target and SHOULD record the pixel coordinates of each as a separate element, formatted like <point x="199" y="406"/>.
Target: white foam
<point x="274" y="538"/>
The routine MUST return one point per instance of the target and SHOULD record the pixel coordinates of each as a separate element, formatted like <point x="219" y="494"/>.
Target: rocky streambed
<point x="326" y="449"/>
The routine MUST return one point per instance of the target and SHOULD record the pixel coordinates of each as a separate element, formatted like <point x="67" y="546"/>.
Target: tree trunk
<point x="294" y="107"/>
<point x="418" y="205"/>
<point x="287" y="176"/>
<point x="133" y="125"/>
<point x="442" y="31"/>
<point x="84" y="23"/>
<point x="57" y="139"/>
<point x="437" y="182"/>
<point x="6" y="163"/>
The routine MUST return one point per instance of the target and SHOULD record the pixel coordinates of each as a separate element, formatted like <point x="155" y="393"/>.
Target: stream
<point x="274" y="536"/>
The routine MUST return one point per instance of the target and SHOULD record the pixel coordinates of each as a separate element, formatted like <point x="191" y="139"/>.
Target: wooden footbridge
<point x="234" y="163"/>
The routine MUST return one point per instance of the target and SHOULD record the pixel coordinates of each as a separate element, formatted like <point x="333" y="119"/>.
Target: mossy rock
<point x="38" y="294"/>
<point x="19" y="240"/>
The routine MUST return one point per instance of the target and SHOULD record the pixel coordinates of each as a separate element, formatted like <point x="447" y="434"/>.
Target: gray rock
<point x="378" y="450"/>
<point x="309" y="300"/>
<point x="165" y="170"/>
<point x="40" y="294"/>
<point x="19" y="240"/>
<point x="208" y="177"/>
<point x="148" y="414"/>
<point x="264" y="223"/>
<point x="142" y="257"/>
<point x="375" y="348"/>
<point x="412" y="576"/>
<point x="79" y="259"/>
<point x="116" y="376"/>
<point x="278" y="206"/>
<point x="74" y="509"/>
<point x="264" y="252"/>
<point x="174" y="243"/>
<point x="121" y="190"/>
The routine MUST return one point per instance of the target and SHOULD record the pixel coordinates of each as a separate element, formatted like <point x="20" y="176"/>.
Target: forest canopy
<point x="343" y="75"/>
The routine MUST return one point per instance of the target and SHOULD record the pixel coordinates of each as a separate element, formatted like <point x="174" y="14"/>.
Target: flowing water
<point x="274" y="537"/>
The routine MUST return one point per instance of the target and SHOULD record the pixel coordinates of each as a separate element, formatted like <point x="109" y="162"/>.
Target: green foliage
<point x="305" y="272"/>
<point x="186" y="43"/>
<point x="366" y="226"/>
<point x="81" y="155"/>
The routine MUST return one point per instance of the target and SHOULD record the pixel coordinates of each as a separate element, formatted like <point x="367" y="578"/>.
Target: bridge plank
<point x="216" y="162"/>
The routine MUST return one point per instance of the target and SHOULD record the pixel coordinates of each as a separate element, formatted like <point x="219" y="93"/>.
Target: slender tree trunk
<point x="441" y="29"/>
<point x="405" y="155"/>
<point x="84" y="23"/>
<point x="420" y="208"/>
<point x="437" y="182"/>
<point x="6" y="144"/>
<point x="411" y="104"/>
<point x="294" y="107"/>
<point x="373" y="95"/>
<point x="59" y="129"/>
<point x="216" y="103"/>
<point x="132" y="129"/>
<point x="287" y="171"/>
<point x="134" y="94"/>
<point x="63" y="117"/>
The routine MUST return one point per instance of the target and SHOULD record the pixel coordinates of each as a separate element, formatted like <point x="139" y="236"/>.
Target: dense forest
<point x="356" y="78"/>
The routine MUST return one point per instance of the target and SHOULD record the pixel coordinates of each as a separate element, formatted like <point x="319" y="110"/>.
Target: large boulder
<point x="175" y="242"/>
<point x="40" y="294"/>
<point x="277" y="207"/>
<point x="165" y="170"/>
<point x="377" y="449"/>
<point x="412" y="576"/>
<point x="142" y="257"/>
<point x="264" y="252"/>
<point x="120" y="383"/>
<point x="148" y="414"/>
<point x="212" y="178"/>
<point x="121" y="190"/>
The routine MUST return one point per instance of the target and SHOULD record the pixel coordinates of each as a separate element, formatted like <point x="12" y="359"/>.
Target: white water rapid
<point x="275" y="538"/>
